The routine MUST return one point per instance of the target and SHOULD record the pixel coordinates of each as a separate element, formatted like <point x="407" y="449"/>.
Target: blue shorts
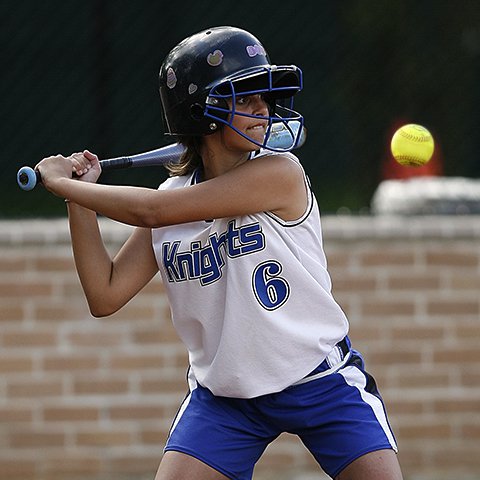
<point x="336" y="411"/>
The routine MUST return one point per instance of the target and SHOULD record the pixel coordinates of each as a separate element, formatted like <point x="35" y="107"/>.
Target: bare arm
<point x="266" y="184"/>
<point x="109" y="283"/>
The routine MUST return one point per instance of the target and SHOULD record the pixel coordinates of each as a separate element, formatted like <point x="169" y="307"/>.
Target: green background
<point x="83" y="74"/>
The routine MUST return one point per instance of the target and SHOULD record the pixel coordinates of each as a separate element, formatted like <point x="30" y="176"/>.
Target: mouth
<point x="258" y="128"/>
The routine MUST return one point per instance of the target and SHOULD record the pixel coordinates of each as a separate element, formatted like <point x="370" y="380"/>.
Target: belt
<point x="334" y="361"/>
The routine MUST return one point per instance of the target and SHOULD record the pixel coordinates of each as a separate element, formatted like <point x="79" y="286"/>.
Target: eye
<point x="242" y="100"/>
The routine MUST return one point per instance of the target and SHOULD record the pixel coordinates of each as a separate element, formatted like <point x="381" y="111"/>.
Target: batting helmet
<point x="202" y="71"/>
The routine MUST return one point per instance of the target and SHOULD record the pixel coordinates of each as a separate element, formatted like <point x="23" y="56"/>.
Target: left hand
<point x="55" y="168"/>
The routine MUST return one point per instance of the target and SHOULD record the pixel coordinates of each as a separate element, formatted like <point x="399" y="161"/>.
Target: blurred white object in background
<point x="427" y="196"/>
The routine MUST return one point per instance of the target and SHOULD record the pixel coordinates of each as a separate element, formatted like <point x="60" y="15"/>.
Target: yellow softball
<point x="412" y="145"/>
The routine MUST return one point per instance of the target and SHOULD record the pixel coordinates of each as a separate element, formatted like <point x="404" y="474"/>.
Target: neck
<point x="218" y="158"/>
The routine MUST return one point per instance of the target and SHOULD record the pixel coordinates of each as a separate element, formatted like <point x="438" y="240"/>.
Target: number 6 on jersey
<point x="270" y="289"/>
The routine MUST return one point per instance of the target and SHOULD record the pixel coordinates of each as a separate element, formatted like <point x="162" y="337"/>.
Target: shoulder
<point x="279" y="164"/>
<point x="292" y="184"/>
<point x="270" y="154"/>
<point x="279" y="158"/>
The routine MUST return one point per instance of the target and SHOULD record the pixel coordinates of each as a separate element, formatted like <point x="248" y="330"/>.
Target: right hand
<point x="86" y="166"/>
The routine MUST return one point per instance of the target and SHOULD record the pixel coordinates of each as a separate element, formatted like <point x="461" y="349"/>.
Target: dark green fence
<point x="83" y="73"/>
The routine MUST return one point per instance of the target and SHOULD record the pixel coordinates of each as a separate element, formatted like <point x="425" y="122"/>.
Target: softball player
<point x="235" y="233"/>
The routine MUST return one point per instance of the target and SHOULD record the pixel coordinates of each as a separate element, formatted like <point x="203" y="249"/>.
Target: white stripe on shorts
<point x="180" y="412"/>
<point x="356" y="378"/>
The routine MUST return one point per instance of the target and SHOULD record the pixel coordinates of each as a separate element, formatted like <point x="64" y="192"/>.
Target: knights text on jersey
<point x="250" y="297"/>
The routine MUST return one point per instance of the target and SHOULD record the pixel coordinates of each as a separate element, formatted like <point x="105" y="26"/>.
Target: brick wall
<point x="92" y="399"/>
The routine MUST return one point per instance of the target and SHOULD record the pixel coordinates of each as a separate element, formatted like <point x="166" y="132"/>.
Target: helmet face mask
<point x="274" y="84"/>
<point x="205" y="70"/>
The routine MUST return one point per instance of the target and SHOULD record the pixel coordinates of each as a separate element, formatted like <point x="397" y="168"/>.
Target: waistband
<point x="334" y="361"/>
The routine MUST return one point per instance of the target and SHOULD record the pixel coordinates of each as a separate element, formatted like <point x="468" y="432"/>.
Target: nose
<point x="260" y="106"/>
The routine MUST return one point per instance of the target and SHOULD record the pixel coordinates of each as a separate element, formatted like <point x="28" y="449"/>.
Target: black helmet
<point x="203" y="70"/>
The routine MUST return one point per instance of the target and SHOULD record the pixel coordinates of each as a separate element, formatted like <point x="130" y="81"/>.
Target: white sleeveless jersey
<point x="250" y="297"/>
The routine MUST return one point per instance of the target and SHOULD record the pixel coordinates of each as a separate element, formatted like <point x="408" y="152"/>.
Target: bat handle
<point x="27" y="178"/>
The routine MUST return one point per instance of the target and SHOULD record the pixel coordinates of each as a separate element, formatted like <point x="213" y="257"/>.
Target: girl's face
<point x="254" y="128"/>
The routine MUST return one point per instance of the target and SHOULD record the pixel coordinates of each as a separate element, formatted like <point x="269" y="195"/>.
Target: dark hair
<point x="190" y="159"/>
